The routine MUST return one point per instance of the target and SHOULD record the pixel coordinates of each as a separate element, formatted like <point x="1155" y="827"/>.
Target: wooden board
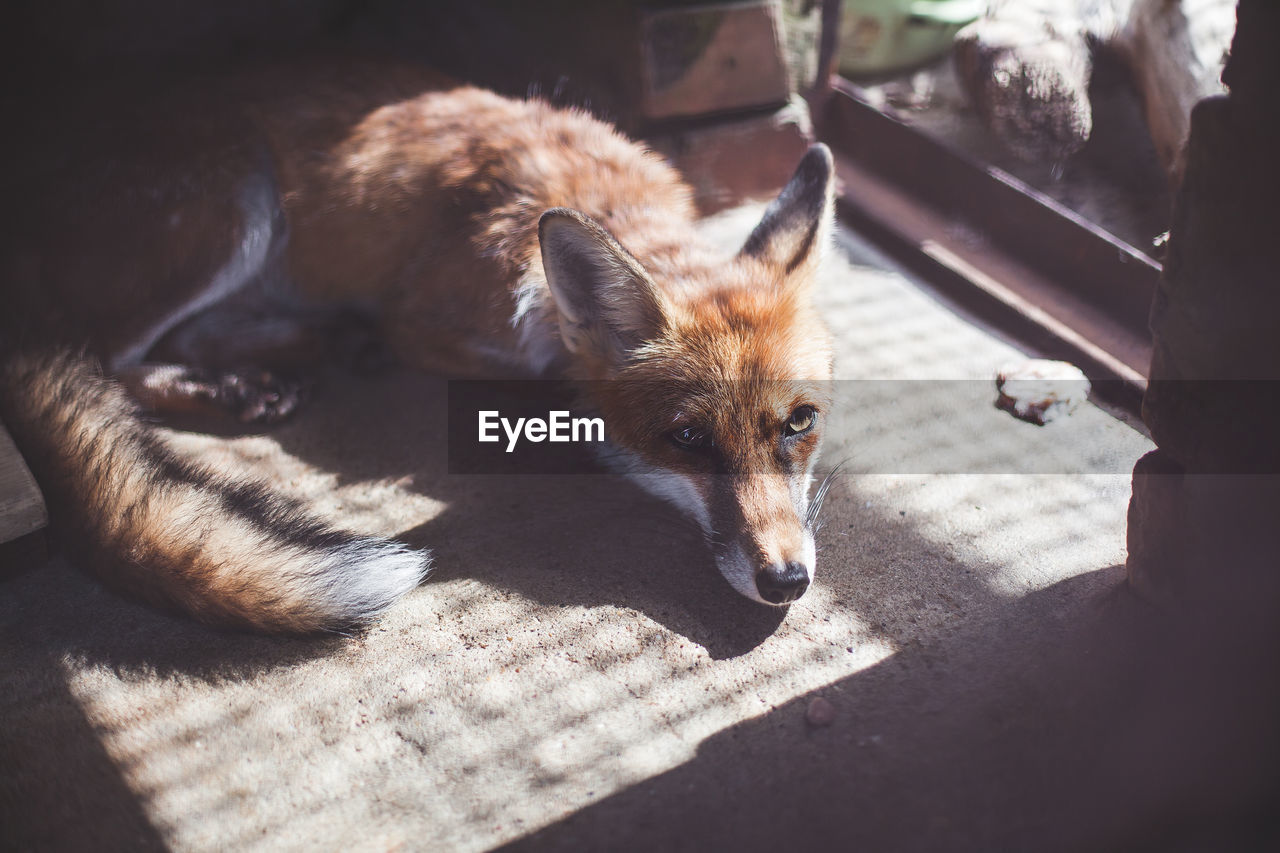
<point x="22" y="509"/>
<point x="713" y="58"/>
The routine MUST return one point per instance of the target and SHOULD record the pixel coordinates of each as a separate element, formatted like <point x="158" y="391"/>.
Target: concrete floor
<point x="576" y="675"/>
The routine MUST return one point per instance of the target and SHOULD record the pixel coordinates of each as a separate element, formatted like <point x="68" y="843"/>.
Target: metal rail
<point x="997" y="247"/>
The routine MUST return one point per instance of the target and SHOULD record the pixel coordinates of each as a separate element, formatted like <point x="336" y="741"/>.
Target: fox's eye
<point x="692" y="438"/>
<point x="801" y="420"/>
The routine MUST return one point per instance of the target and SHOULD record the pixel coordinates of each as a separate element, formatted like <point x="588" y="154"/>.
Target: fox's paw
<point x="250" y="396"/>
<point x="260" y="396"/>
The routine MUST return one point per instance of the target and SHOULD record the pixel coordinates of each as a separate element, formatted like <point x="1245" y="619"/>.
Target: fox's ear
<point x="796" y="226"/>
<point x="605" y="299"/>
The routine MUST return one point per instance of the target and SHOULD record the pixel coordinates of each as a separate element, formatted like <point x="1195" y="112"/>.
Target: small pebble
<point x="1040" y="391"/>
<point x="821" y="712"/>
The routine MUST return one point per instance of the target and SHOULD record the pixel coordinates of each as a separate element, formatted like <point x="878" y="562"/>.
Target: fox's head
<point x="713" y="377"/>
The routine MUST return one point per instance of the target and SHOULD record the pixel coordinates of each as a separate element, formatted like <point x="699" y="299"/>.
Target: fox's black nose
<point x="783" y="584"/>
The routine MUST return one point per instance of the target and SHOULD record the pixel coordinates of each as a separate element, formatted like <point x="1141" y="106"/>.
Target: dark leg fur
<point x="231" y="336"/>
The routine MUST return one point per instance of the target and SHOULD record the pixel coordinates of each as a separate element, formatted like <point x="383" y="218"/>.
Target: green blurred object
<point x="877" y="36"/>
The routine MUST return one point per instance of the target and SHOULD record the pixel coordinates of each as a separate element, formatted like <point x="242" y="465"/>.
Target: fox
<point x="180" y="251"/>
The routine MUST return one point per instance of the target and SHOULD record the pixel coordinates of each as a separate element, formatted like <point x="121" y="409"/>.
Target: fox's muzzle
<point x="766" y="572"/>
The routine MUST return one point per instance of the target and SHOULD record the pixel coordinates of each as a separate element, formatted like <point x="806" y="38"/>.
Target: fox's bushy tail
<point x="177" y="534"/>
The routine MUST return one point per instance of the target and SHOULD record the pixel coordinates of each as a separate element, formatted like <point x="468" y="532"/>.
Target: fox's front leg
<point x="246" y="361"/>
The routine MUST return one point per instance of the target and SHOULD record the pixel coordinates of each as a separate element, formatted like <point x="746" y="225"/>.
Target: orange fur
<point x="390" y="187"/>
